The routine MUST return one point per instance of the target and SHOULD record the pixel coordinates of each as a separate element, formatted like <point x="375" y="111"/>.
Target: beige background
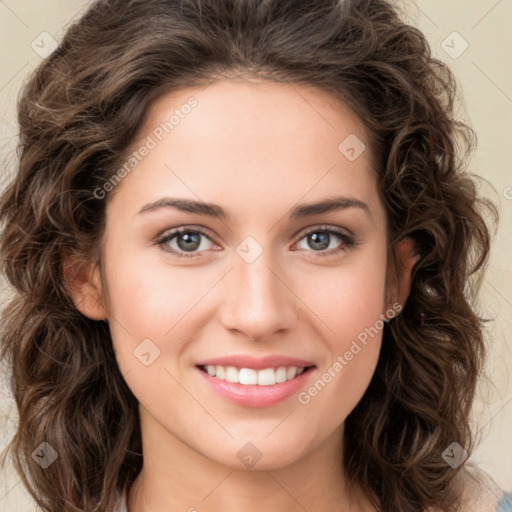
<point x="484" y="72"/>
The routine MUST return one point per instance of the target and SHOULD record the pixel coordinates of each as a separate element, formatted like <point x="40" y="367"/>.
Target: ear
<point x="399" y="272"/>
<point x="83" y="281"/>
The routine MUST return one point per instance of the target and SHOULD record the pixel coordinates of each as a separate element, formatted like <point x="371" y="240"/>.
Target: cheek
<point x="349" y="304"/>
<point x="148" y="299"/>
<point x="153" y="316"/>
<point x="348" y="298"/>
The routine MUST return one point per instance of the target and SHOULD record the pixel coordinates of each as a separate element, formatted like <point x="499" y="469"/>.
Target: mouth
<point x="271" y="376"/>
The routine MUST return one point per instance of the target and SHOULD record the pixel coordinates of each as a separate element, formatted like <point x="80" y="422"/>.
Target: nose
<point x="259" y="301"/>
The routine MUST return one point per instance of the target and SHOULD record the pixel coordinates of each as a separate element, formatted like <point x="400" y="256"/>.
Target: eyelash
<point x="348" y="242"/>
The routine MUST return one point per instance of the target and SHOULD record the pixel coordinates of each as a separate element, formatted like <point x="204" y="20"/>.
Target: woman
<point x="244" y="252"/>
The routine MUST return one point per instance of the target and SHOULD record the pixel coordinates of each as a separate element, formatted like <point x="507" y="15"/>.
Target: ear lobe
<point x="405" y="259"/>
<point x="83" y="282"/>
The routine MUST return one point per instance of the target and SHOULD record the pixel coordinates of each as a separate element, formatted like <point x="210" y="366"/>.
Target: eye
<point x="321" y="238"/>
<point x="184" y="242"/>
<point x="187" y="242"/>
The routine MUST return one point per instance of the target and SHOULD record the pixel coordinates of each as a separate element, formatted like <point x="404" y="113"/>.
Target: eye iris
<point x="319" y="240"/>
<point x="189" y="241"/>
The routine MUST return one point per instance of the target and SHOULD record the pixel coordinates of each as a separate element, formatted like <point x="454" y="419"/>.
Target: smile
<point x="248" y="387"/>
<point x="250" y="376"/>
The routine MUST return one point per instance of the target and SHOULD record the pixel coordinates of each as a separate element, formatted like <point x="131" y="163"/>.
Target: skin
<point x="257" y="149"/>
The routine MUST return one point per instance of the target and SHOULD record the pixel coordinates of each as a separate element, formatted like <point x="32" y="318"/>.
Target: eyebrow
<point x="217" y="212"/>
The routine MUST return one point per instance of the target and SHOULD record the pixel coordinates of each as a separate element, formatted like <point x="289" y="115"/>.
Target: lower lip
<point x="253" y="395"/>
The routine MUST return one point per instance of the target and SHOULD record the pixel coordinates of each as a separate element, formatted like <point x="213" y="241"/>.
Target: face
<point x="271" y="277"/>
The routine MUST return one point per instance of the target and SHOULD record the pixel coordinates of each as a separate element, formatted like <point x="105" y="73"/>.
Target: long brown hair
<point x="78" y="115"/>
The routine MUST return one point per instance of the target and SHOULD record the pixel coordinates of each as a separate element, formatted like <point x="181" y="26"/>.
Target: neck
<point x="176" y="477"/>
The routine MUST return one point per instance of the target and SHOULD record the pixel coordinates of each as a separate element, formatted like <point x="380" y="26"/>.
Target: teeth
<point x="249" y="376"/>
<point x="232" y="374"/>
<point x="220" y="372"/>
<point x="281" y="374"/>
<point x="266" y="377"/>
<point x="291" y="372"/>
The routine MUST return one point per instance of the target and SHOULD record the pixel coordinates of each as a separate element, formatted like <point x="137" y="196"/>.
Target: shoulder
<point x="505" y="503"/>
<point x="480" y="493"/>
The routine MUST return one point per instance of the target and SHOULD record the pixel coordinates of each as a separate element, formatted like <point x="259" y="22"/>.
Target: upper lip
<point x="256" y="363"/>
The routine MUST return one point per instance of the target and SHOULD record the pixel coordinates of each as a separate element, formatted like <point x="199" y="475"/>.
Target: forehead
<point x="260" y="109"/>
<point x="252" y="143"/>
